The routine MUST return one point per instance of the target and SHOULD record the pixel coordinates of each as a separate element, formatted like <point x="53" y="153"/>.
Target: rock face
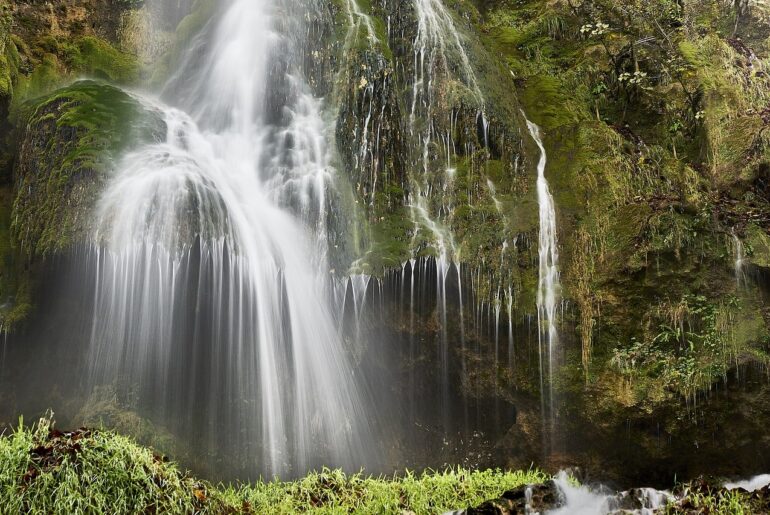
<point x="697" y="497"/>
<point x="52" y="151"/>
<point x="70" y="18"/>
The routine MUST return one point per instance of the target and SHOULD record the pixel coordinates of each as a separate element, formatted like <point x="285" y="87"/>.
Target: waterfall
<point x="548" y="272"/>
<point x="438" y="39"/>
<point x="213" y="294"/>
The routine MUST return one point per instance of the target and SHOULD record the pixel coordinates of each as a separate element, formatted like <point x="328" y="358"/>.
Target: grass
<point x="332" y="491"/>
<point x="43" y="470"/>
<point x="700" y="497"/>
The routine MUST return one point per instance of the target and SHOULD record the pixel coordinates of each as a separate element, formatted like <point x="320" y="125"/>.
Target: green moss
<point x="15" y="288"/>
<point x="98" y="58"/>
<point x="63" y="62"/>
<point x="545" y="101"/>
<point x="46" y="77"/>
<point x="635" y="168"/>
<point x="758" y="246"/>
<point x="389" y="243"/>
<point x="9" y="58"/>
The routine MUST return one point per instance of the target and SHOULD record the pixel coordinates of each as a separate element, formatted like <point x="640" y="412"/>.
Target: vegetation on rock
<point x="72" y="139"/>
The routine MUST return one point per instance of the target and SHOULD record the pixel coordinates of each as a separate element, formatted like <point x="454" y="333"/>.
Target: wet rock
<point x="526" y="499"/>
<point x="761" y="499"/>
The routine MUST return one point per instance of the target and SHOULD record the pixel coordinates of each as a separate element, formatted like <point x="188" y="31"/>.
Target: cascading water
<point x="581" y="500"/>
<point x="750" y="485"/>
<point x="212" y="295"/>
<point x="574" y="499"/>
<point x="548" y="276"/>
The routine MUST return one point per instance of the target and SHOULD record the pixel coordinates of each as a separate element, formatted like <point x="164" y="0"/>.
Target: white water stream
<point x="548" y="287"/>
<point x="582" y="500"/>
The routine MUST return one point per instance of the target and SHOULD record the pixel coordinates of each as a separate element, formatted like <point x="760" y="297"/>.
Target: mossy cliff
<point x="408" y="125"/>
<point x="654" y="124"/>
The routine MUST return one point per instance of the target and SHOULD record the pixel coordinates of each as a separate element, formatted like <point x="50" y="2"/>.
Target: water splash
<point x="581" y="500"/>
<point x="575" y="499"/>
<point x="211" y="260"/>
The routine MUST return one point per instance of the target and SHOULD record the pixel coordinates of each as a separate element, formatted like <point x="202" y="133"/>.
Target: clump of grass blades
<point x="43" y="470"/>
<point x="332" y="491"/>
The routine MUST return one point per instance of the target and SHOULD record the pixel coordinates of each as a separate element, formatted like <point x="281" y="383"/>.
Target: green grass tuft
<point x="46" y="471"/>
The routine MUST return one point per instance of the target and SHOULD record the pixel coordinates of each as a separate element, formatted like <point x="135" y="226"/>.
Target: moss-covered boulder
<point x="71" y="139"/>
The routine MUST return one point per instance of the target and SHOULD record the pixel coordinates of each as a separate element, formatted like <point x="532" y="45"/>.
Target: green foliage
<point x="9" y="55"/>
<point x="650" y="112"/>
<point x="43" y="470"/>
<point x="693" y="343"/>
<point x="701" y="497"/>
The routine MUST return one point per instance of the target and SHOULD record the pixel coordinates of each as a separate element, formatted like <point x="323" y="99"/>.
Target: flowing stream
<point x="205" y="257"/>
